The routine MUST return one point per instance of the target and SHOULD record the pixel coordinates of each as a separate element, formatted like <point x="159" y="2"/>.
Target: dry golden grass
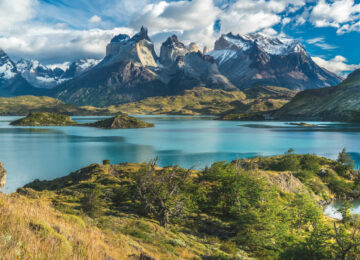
<point x="31" y="229"/>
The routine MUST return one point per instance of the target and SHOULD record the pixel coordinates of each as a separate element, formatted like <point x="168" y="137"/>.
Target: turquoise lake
<point x="30" y="153"/>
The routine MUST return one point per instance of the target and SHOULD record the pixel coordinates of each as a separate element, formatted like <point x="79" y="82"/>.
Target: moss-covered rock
<point x="44" y="119"/>
<point x="121" y="121"/>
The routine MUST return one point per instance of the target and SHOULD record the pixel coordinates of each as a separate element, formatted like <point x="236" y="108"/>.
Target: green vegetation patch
<point x="44" y="119"/>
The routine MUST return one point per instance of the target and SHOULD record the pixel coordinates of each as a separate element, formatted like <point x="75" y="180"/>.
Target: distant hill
<point x="205" y="101"/>
<point x="22" y="105"/>
<point x="339" y="103"/>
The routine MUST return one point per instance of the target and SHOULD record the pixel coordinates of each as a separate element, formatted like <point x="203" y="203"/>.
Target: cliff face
<point x="2" y="175"/>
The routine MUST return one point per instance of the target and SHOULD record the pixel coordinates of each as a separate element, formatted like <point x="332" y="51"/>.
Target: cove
<point x="30" y="153"/>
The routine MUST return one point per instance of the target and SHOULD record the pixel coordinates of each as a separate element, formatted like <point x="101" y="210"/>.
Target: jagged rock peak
<point x="139" y="48"/>
<point x="2" y="173"/>
<point x="142" y="35"/>
<point x="171" y="49"/>
<point x="193" y="47"/>
<point x="7" y="66"/>
<point x="121" y="38"/>
<point x="173" y="41"/>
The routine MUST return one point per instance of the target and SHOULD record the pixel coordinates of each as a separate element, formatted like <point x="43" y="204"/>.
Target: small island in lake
<point x="302" y="124"/>
<point x="44" y="119"/>
<point x="120" y="121"/>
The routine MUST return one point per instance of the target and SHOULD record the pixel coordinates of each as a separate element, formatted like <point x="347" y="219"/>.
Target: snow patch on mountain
<point x="85" y="64"/>
<point x="7" y="71"/>
<point x="7" y="67"/>
<point x="49" y="76"/>
<point x="273" y="45"/>
<point x="222" y="56"/>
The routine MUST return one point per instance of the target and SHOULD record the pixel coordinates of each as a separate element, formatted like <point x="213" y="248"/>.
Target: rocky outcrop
<point x="2" y="176"/>
<point x="287" y="182"/>
<point x="171" y="49"/>
<point x="196" y="69"/>
<point x="193" y="47"/>
<point x="206" y="50"/>
<point x="139" y="48"/>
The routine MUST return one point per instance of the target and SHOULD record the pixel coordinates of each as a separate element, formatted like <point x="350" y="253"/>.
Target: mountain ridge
<point x="338" y="103"/>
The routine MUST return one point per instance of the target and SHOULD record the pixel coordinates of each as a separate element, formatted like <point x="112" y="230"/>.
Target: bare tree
<point x="161" y="191"/>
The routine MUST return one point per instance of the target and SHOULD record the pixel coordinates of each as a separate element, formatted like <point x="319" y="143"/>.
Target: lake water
<point x="49" y="152"/>
<point x="331" y="210"/>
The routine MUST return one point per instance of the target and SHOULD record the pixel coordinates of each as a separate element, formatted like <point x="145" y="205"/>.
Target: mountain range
<point x="132" y="71"/>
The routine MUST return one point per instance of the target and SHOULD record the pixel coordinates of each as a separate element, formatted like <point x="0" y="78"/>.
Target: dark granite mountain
<point x="11" y="81"/>
<point x="128" y="72"/>
<point x="339" y="103"/>
<point x="132" y="71"/>
<point x="259" y="59"/>
<point x="187" y="67"/>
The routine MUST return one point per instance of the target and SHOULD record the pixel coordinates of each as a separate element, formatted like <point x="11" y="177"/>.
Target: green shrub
<point x="106" y="162"/>
<point x="91" y="202"/>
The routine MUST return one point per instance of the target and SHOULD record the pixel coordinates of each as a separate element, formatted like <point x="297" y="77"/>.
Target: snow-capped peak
<point x="48" y="76"/>
<point x="273" y="45"/>
<point x="7" y="67"/>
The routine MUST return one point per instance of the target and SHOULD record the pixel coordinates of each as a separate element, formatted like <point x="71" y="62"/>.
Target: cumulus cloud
<point x="248" y="16"/>
<point x="95" y="19"/>
<point x="15" y="11"/>
<point x="340" y="14"/>
<point x="53" y="44"/>
<point x="338" y="65"/>
<point x="194" y="20"/>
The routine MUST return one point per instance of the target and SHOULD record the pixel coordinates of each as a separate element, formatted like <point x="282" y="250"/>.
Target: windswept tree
<point x="345" y="164"/>
<point x="347" y="239"/>
<point x="162" y="192"/>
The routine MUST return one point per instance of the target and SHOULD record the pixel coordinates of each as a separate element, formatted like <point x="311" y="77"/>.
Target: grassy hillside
<point x="211" y="102"/>
<point x="120" y="121"/>
<point x="260" y="207"/>
<point x="339" y="103"/>
<point x="22" y="105"/>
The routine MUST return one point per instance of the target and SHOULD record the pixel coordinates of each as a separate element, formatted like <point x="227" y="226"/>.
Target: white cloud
<point x="15" y="11"/>
<point x="247" y="16"/>
<point x="193" y="19"/>
<point x="46" y="43"/>
<point x="338" y="65"/>
<point x="339" y="14"/>
<point x="95" y="19"/>
<point x="320" y="42"/>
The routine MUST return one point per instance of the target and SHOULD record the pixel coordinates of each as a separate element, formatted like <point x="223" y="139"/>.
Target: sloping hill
<point x="205" y="101"/>
<point x="23" y="105"/>
<point x="339" y="103"/>
<point x="260" y="207"/>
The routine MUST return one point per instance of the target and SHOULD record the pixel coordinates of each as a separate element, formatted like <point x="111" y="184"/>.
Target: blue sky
<point x="55" y="31"/>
